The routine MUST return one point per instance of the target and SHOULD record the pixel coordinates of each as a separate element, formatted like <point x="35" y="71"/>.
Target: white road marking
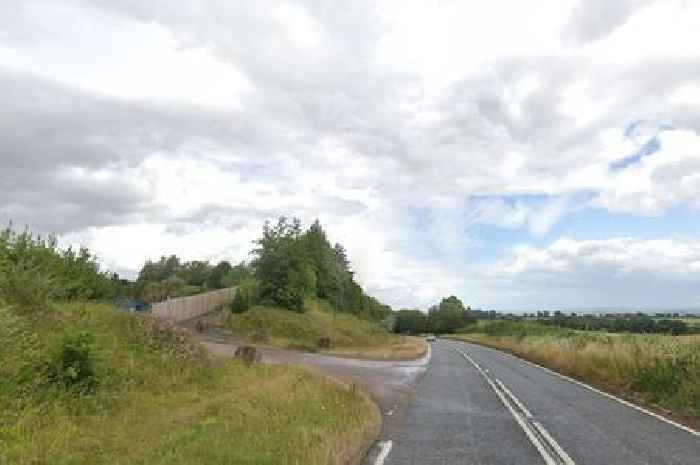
<point x="429" y="354"/>
<point x="385" y="446"/>
<point x="384" y="452"/>
<point x="528" y="425"/>
<point x="553" y="444"/>
<point x="603" y="393"/>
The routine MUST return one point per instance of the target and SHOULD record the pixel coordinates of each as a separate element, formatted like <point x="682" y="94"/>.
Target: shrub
<point x="24" y="286"/>
<point x="246" y="296"/>
<point x="34" y="269"/>
<point x="74" y="366"/>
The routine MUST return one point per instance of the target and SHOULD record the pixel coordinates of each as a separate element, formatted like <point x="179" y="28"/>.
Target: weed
<point x="74" y="364"/>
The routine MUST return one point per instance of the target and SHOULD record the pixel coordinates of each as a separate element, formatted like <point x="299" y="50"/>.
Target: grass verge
<point x="659" y="371"/>
<point x="349" y="335"/>
<point x="160" y="399"/>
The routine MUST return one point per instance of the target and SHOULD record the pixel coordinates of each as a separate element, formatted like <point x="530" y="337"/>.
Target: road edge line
<point x="385" y="448"/>
<point x="518" y="418"/>
<point x="595" y="389"/>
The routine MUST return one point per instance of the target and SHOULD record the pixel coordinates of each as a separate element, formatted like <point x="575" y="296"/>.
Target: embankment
<point x="88" y="384"/>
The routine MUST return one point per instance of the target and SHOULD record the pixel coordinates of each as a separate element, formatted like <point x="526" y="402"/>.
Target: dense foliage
<point x="34" y="269"/>
<point x="620" y="324"/>
<point x="292" y="264"/>
<point x="640" y="323"/>
<point x="170" y="277"/>
<point x="446" y="317"/>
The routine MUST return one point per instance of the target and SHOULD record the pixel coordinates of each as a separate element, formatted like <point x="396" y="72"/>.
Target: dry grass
<point x="658" y="370"/>
<point x="350" y="336"/>
<point x="397" y="348"/>
<point x="161" y="400"/>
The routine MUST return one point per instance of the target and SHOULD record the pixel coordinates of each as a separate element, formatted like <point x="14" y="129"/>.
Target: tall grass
<point x="160" y="399"/>
<point x="657" y="369"/>
<point x="349" y="335"/>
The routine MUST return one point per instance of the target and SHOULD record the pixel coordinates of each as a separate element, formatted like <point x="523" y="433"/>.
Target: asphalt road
<point x="457" y="415"/>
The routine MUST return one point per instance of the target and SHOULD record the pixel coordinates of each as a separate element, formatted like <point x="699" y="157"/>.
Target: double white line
<point x="549" y="449"/>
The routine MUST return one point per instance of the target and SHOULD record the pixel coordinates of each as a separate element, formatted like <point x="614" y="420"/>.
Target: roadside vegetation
<point x="321" y="328"/>
<point x="87" y="384"/>
<point x="34" y="270"/>
<point x="84" y="383"/>
<point x="449" y="316"/>
<point x="291" y="264"/>
<point x="662" y="371"/>
<point x="636" y="323"/>
<point x="302" y="295"/>
<point x="170" y="277"/>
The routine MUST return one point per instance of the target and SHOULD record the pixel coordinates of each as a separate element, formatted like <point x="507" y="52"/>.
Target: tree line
<point x="171" y="277"/>
<point x="448" y="316"/>
<point x="289" y="265"/>
<point x="619" y="324"/>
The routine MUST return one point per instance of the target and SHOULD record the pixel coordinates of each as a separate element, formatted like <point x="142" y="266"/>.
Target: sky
<point x="520" y="155"/>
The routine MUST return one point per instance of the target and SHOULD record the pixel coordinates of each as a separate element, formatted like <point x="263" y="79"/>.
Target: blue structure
<point x="133" y="305"/>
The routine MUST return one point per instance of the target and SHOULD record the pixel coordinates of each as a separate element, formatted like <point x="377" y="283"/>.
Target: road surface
<point x="390" y="383"/>
<point x="469" y="405"/>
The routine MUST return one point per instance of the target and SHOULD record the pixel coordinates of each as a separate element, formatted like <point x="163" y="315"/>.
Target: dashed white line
<point x="385" y="448"/>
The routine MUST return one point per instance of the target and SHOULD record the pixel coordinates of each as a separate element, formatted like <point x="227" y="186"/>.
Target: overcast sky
<point x="520" y="155"/>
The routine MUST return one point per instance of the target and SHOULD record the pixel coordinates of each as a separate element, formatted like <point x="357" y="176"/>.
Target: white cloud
<point x="188" y="126"/>
<point x="587" y="273"/>
<point x="657" y="182"/>
<point x="128" y="60"/>
<point x="538" y="215"/>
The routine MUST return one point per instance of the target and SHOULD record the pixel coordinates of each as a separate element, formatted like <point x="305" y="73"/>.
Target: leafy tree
<point x="291" y="264"/>
<point x="246" y="295"/>
<point x="239" y="273"/>
<point x="34" y="270"/>
<point x="282" y="266"/>
<point x="194" y="273"/>
<point x="448" y="316"/>
<point x="217" y="275"/>
<point x="411" y="322"/>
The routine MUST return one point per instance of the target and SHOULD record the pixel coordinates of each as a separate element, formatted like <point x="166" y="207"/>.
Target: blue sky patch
<point x="652" y="146"/>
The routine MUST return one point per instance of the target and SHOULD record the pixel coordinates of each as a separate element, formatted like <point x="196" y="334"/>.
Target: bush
<point x="25" y="287"/>
<point x="74" y="366"/>
<point x="246" y="296"/>
<point x="34" y="269"/>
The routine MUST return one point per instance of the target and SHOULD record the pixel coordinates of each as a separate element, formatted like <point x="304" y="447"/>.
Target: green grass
<point x="659" y="370"/>
<point x="349" y="334"/>
<point x="516" y="329"/>
<point x="160" y="399"/>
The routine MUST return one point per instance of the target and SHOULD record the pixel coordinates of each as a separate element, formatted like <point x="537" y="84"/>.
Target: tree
<point x="410" y="322"/>
<point x="449" y="315"/>
<point x="195" y="273"/>
<point x="217" y="275"/>
<point x="282" y="266"/>
<point x="239" y="273"/>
